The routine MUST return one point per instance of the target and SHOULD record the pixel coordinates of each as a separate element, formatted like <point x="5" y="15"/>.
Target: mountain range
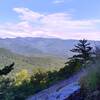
<point x="40" y="46"/>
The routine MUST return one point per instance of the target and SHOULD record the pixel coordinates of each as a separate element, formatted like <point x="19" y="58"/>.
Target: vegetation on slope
<point x="30" y="63"/>
<point x="22" y="84"/>
<point x="90" y="84"/>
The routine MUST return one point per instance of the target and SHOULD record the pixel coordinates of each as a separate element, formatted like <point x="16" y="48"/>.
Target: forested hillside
<point x="30" y="63"/>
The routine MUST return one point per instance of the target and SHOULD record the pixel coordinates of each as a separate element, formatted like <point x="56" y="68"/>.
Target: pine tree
<point x="83" y="51"/>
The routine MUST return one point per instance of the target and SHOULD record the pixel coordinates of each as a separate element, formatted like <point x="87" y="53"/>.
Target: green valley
<point x="30" y="63"/>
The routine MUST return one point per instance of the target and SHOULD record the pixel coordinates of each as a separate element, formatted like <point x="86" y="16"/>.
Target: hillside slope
<point x="30" y="63"/>
<point x="61" y="90"/>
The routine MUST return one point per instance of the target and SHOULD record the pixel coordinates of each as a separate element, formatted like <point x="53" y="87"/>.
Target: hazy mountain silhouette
<point x="40" y="46"/>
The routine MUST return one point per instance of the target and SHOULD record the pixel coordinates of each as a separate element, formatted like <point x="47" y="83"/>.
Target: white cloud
<point x="26" y="14"/>
<point x="60" y="25"/>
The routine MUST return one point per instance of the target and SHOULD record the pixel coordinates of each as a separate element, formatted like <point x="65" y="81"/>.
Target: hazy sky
<point x="67" y="19"/>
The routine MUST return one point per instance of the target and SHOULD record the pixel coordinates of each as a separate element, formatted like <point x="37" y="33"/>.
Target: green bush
<point x="91" y="82"/>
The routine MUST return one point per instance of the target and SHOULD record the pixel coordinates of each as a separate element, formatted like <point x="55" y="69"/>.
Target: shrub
<point x="91" y="82"/>
<point x="21" y="76"/>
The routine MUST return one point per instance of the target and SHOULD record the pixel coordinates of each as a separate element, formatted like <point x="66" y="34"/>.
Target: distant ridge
<point x="40" y="46"/>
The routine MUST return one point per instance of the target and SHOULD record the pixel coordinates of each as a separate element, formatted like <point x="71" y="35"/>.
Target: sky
<point x="65" y="19"/>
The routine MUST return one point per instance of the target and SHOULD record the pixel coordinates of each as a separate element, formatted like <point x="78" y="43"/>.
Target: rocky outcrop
<point x="61" y="90"/>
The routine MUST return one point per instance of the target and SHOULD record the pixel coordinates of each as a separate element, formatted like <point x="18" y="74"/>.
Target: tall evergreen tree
<point x="83" y="51"/>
